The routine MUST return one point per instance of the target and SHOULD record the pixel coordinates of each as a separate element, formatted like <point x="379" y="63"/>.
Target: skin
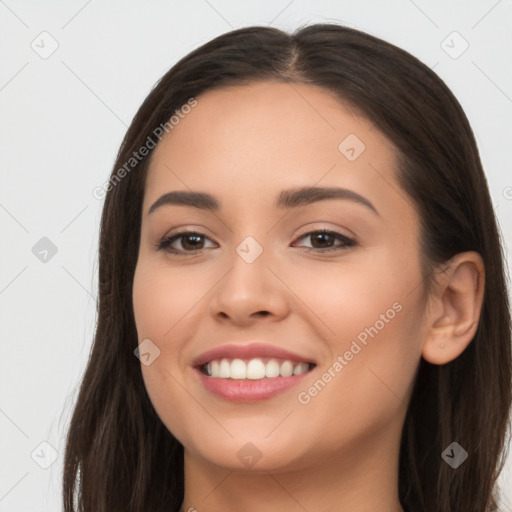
<point x="246" y="144"/>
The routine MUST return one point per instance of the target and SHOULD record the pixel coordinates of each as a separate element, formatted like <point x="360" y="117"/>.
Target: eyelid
<point x="320" y="226"/>
<point x="186" y="230"/>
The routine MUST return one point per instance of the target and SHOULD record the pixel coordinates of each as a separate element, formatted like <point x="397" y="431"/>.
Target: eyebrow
<point x="292" y="198"/>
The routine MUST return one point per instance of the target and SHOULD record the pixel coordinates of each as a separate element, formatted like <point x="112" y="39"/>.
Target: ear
<point x="454" y="308"/>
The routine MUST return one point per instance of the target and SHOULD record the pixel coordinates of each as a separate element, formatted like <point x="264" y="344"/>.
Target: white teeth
<point x="254" y="369"/>
<point x="300" y="368"/>
<point x="272" y="368"/>
<point x="238" y="369"/>
<point x="286" y="369"/>
<point x="224" y="370"/>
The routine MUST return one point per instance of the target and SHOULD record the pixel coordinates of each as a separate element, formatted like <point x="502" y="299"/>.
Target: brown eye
<point x="191" y="242"/>
<point x="183" y="243"/>
<point x="322" y="241"/>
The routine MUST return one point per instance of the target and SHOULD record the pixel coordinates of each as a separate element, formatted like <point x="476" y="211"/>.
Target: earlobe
<point x="456" y="301"/>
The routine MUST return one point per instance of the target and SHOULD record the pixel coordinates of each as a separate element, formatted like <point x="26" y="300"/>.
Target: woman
<point x="302" y="301"/>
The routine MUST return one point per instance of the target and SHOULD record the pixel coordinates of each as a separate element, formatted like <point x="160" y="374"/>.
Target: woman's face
<point x="256" y="275"/>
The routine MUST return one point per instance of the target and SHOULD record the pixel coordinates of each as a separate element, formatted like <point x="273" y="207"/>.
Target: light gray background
<point x="62" y="120"/>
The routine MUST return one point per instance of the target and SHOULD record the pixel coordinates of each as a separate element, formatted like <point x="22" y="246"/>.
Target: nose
<point x="248" y="292"/>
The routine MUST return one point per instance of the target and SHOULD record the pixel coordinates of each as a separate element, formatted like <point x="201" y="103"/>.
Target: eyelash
<point x="165" y="242"/>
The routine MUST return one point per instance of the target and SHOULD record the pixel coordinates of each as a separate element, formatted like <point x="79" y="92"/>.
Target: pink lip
<point x="242" y="390"/>
<point x="262" y="350"/>
<point x="235" y="390"/>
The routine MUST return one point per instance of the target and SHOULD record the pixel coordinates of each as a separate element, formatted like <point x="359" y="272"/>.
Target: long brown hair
<point x="119" y="455"/>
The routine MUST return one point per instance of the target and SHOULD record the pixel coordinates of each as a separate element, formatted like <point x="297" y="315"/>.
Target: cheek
<point x="367" y="385"/>
<point x="374" y="317"/>
<point x="162" y="301"/>
<point x="161" y="298"/>
<point x="345" y="297"/>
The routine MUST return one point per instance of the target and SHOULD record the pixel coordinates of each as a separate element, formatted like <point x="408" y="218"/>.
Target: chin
<point x="249" y="454"/>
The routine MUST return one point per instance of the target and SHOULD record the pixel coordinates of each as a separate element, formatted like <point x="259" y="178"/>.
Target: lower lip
<point x="247" y="390"/>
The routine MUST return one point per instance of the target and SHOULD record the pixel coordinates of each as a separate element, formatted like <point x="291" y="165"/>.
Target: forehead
<point x="249" y="140"/>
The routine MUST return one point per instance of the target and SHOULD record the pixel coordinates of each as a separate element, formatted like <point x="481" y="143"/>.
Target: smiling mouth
<point x="254" y="368"/>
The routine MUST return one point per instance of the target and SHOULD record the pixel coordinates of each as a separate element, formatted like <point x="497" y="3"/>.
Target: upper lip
<point x="248" y="351"/>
